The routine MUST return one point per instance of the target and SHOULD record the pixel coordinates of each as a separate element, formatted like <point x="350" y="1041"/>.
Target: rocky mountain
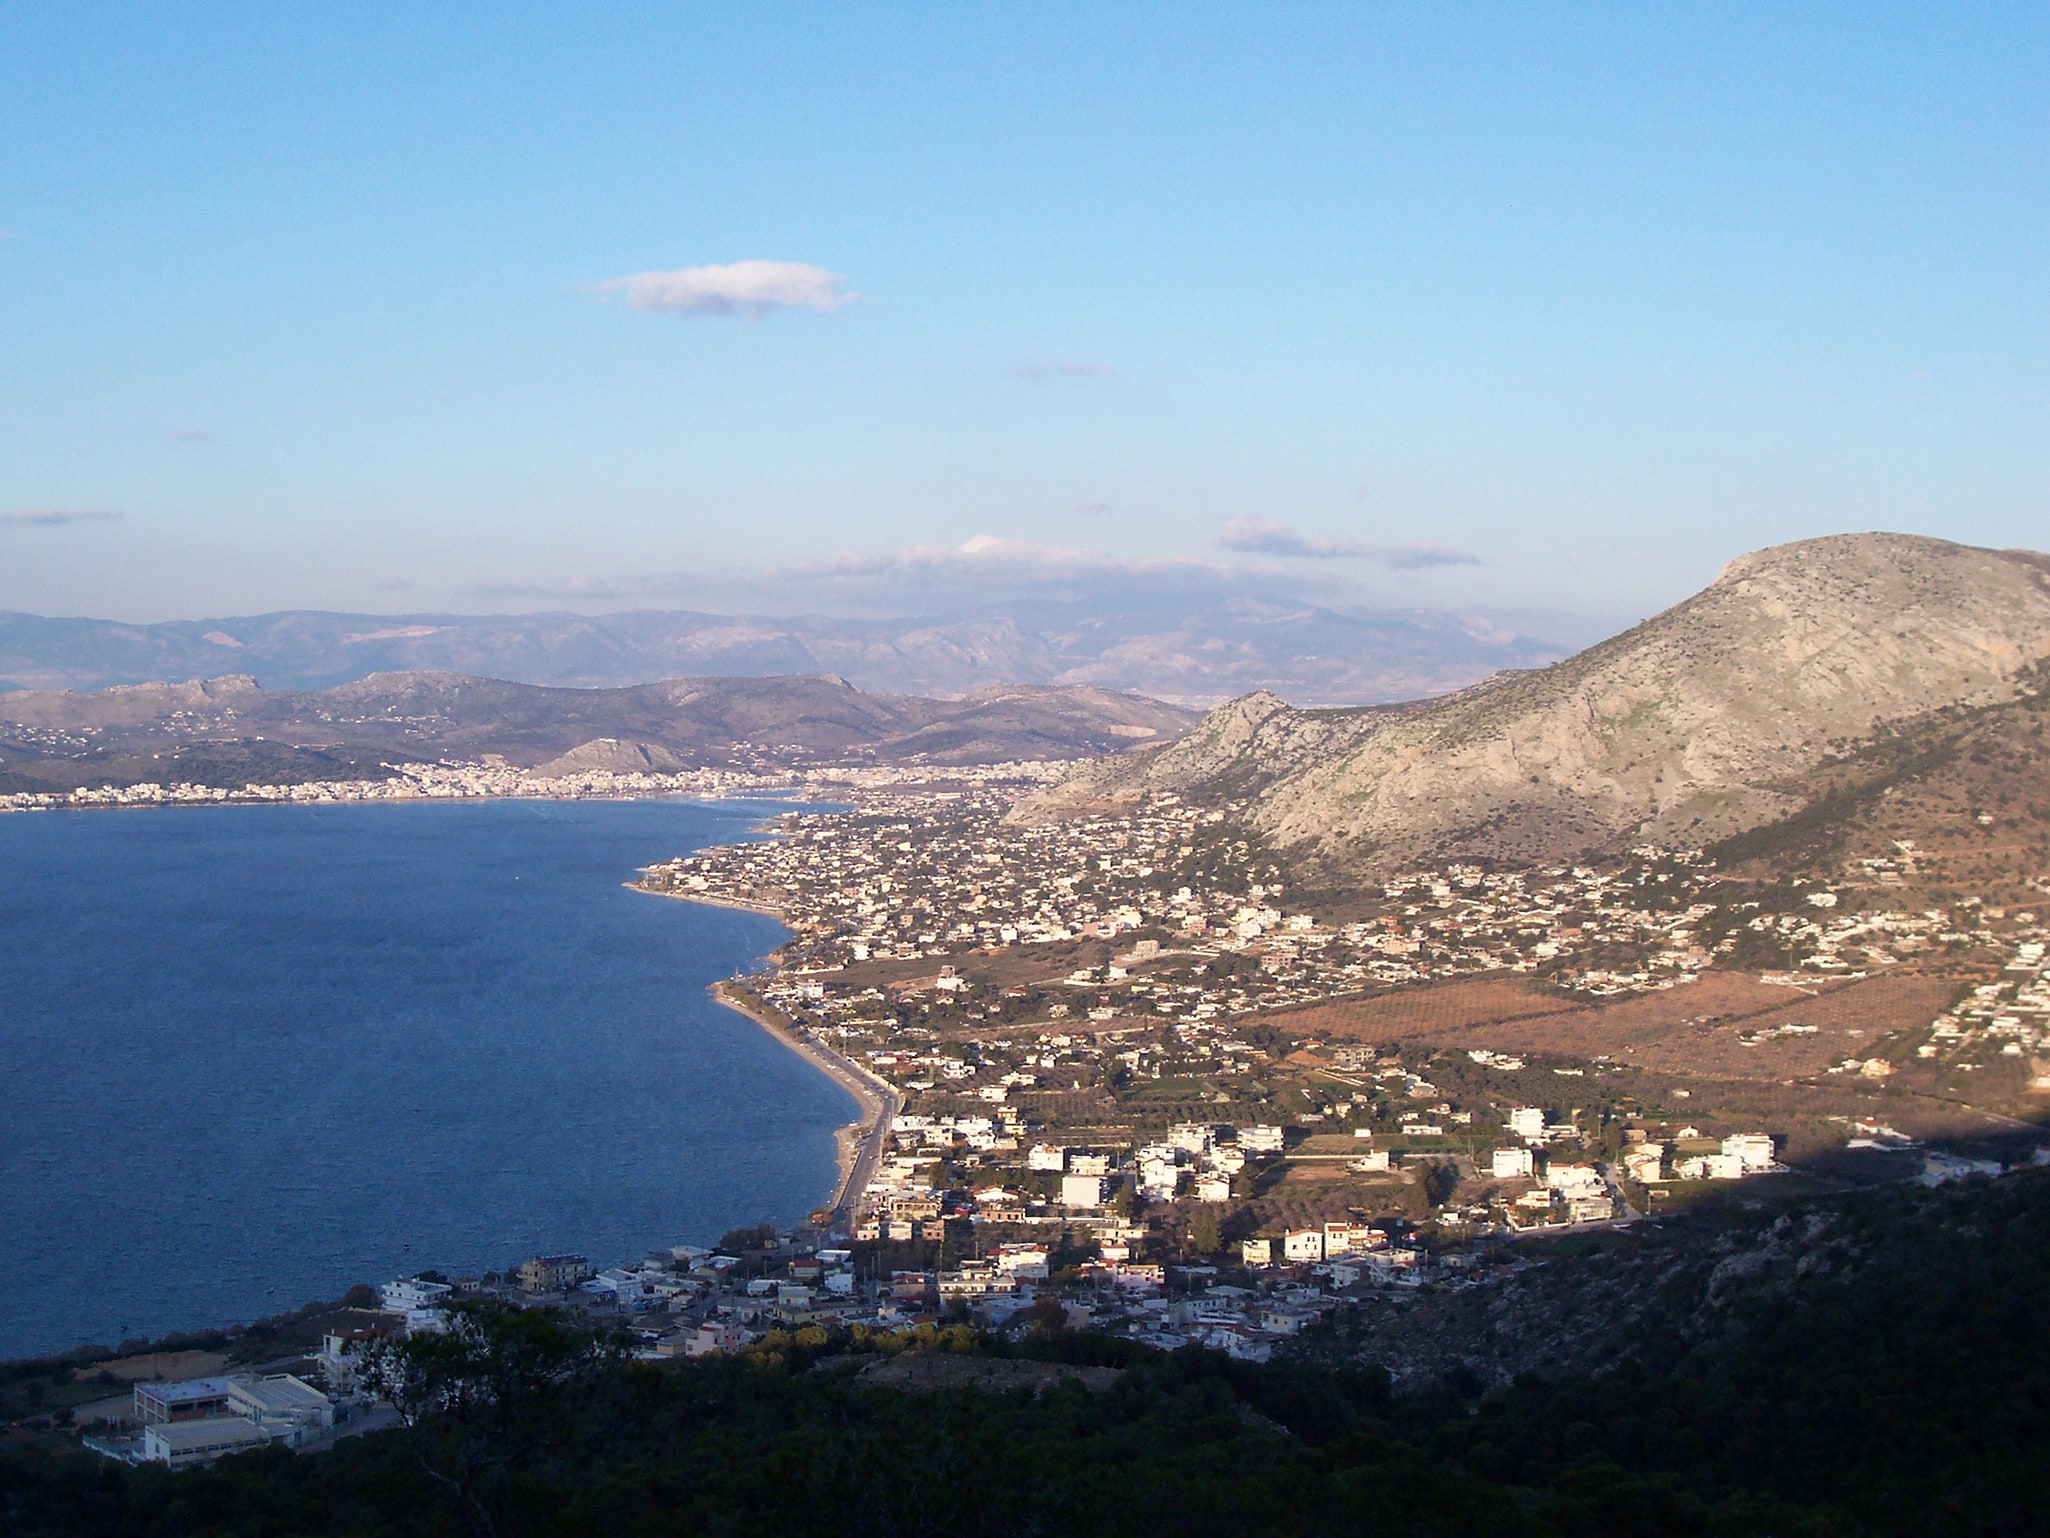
<point x="1198" y="652"/>
<point x="1696" y="725"/>
<point x="230" y="730"/>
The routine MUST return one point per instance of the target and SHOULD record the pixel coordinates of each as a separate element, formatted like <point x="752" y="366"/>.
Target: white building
<point x="420" y="1302"/>
<point x="287" y="1409"/>
<point x="186" y="1444"/>
<point x="1574" y="1179"/>
<point x="1714" y="1166"/>
<point x="1303" y="1244"/>
<point x="1510" y="1164"/>
<point x="403" y="1296"/>
<point x="716" y="1335"/>
<point x="1644" y="1164"/>
<point x="1260" y="1139"/>
<point x="1750" y="1149"/>
<point x="1081" y="1190"/>
<point x="1528" y="1123"/>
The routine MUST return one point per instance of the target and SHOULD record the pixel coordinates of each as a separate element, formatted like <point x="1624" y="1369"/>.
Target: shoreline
<point x="732" y="906"/>
<point x="857" y="1144"/>
<point x="99" y="801"/>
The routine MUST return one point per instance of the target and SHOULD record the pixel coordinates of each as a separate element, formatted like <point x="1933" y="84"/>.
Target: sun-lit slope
<point x="132" y="732"/>
<point x="1686" y="729"/>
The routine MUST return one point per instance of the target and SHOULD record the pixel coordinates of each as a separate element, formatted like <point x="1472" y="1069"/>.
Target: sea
<point x="251" y="1055"/>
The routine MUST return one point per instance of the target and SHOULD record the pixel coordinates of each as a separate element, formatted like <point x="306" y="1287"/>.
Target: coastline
<point x="762" y="909"/>
<point x="858" y="1144"/>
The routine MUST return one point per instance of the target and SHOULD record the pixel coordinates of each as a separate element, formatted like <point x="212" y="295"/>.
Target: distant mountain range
<point x="228" y="731"/>
<point x="1719" y="716"/>
<point x="1198" y="654"/>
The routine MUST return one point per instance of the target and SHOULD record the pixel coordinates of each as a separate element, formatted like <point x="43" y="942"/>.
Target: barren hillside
<point x="1687" y="729"/>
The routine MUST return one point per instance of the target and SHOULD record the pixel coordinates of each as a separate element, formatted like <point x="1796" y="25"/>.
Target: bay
<point x="252" y="1055"/>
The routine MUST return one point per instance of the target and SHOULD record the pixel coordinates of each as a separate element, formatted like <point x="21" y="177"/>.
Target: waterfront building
<point x="552" y="1273"/>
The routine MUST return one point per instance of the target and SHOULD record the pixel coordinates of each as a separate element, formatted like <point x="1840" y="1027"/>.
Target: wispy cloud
<point x="754" y="289"/>
<point x="1095" y="507"/>
<point x="926" y="579"/>
<point x="1262" y="536"/>
<point x="1064" y="368"/>
<point x="20" y="517"/>
<point x="190" y="435"/>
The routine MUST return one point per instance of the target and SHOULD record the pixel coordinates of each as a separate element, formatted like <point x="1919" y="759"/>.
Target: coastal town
<point x="493" y="778"/>
<point x="1109" y="1081"/>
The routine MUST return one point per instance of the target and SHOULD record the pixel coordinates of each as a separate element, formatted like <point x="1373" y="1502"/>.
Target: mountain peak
<point x="1685" y="729"/>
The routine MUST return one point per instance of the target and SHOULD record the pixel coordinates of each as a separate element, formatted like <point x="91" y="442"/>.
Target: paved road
<point x="872" y="1092"/>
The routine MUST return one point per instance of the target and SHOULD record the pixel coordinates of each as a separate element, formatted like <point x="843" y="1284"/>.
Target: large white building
<point x="1528" y="1123"/>
<point x="1081" y="1190"/>
<point x="1303" y="1244"/>
<point x="1510" y="1164"/>
<point x="185" y="1444"/>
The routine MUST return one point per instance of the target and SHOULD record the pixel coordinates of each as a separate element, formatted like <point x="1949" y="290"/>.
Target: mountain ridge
<point x="1684" y="729"/>
<point x="141" y="732"/>
<point x="1199" y="651"/>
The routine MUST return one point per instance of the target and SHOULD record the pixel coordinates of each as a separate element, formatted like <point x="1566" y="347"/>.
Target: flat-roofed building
<point x="1303" y="1244"/>
<point x="287" y="1408"/>
<point x="552" y="1273"/>
<point x="158" y="1404"/>
<point x="185" y="1444"/>
<point x="1081" y="1190"/>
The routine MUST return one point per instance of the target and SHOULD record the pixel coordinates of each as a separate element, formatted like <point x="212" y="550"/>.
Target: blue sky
<point x="1497" y="309"/>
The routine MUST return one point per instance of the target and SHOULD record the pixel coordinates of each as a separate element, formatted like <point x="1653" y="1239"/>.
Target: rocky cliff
<point x="1690" y="727"/>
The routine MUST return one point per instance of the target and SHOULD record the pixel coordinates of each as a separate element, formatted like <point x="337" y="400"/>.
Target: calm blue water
<point x="250" y="1055"/>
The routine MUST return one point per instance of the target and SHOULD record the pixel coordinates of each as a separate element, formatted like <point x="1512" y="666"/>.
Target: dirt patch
<point x="158" y="1366"/>
<point x="926" y="1372"/>
<point x="1849" y="1020"/>
<point x="1431" y="1012"/>
<point x="1723" y="1024"/>
<point x="119" y="1407"/>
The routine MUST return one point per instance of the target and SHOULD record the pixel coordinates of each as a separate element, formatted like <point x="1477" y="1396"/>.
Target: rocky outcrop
<point x="1683" y="730"/>
<point x="609" y="755"/>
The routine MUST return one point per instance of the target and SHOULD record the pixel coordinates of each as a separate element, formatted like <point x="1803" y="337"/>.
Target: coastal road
<point x="882" y="1102"/>
<point x="879" y="1101"/>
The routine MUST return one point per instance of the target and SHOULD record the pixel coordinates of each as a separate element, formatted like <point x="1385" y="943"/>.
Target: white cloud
<point x="26" y="516"/>
<point x="1262" y="536"/>
<point x="1095" y="507"/>
<point x="753" y="289"/>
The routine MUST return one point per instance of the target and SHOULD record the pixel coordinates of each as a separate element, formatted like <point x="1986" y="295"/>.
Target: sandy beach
<point x="859" y="1143"/>
<point x="703" y="900"/>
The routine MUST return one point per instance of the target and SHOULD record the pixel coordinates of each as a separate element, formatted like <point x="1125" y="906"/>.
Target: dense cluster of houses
<point x="495" y="779"/>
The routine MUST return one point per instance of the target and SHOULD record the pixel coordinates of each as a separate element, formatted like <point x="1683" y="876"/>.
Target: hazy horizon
<point x="770" y="311"/>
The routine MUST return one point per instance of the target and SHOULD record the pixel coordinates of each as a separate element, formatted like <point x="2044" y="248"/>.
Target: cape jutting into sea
<point x="252" y="1055"/>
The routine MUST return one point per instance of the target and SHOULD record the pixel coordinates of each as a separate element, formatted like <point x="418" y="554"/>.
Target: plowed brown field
<point x="1695" y="1028"/>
